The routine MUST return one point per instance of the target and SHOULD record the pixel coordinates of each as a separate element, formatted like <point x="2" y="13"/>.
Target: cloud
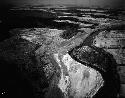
<point x="101" y="3"/>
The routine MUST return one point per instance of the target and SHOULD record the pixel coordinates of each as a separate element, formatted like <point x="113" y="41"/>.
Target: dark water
<point x="60" y="18"/>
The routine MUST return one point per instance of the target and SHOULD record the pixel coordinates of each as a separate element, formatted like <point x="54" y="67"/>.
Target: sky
<point x="86" y="3"/>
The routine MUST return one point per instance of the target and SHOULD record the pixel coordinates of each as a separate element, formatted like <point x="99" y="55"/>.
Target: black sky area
<point x="82" y="3"/>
